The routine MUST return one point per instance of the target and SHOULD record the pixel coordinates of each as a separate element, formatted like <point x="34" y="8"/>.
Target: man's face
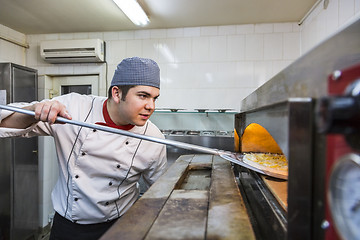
<point x="138" y="106"/>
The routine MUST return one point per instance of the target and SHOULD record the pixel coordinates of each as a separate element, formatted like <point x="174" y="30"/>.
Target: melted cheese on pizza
<point x="267" y="160"/>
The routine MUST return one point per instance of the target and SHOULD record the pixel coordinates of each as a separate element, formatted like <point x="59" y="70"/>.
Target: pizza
<point x="276" y="163"/>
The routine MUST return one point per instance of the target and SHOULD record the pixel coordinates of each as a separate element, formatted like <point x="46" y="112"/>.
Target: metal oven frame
<point x="290" y="123"/>
<point x="286" y="107"/>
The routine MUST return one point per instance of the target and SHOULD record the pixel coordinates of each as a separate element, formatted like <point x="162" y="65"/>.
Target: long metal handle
<point x="178" y="144"/>
<point x="227" y="155"/>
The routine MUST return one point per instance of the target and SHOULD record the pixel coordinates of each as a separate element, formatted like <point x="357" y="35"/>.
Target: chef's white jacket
<point x="98" y="171"/>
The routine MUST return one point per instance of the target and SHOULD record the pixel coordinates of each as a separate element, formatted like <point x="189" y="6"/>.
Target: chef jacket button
<point x="94" y="130"/>
<point x="110" y="183"/>
<point x="76" y="199"/>
<point x="107" y="203"/>
<point x="118" y="166"/>
<point x="76" y="176"/>
<point x="83" y="153"/>
<point x="127" y="142"/>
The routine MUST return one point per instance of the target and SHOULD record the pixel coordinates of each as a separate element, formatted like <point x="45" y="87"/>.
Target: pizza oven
<point x="272" y="201"/>
<point x="312" y="111"/>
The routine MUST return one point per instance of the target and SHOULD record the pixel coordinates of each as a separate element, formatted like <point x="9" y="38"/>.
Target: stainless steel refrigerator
<point x="19" y="174"/>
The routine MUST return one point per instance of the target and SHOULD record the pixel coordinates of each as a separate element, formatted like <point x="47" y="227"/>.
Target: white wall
<point x="323" y="23"/>
<point x="10" y="52"/>
<point x="209" y="67"/>
<point x="201" y="67"/>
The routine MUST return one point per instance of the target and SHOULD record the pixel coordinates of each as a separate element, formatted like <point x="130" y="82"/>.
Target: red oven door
<point x="342" y="210"/>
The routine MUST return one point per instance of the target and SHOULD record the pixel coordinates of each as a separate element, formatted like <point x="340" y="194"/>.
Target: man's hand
<point x="47" y="111"/>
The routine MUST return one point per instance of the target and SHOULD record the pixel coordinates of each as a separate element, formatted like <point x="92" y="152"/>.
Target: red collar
<point x="108" y="122"/>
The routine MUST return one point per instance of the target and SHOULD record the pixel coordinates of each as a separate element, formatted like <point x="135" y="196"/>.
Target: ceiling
<point x="66" y="16"/>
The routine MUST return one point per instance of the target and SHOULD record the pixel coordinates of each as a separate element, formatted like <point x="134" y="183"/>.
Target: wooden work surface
<point x="197" y="198"/>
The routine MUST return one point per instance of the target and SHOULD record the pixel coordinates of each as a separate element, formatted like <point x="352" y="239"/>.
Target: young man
<point x="98" y="171"/>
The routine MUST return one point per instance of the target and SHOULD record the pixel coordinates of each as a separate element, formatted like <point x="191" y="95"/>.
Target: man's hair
<point x="124" y="90"/>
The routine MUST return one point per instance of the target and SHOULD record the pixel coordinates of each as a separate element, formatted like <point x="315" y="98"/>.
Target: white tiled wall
<point x="201" y="67"/>
<point x="323" y="23"/>
<point x="10" y="52"/>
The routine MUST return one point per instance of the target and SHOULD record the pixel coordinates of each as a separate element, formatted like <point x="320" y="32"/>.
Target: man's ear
<point x="116" y="94"/>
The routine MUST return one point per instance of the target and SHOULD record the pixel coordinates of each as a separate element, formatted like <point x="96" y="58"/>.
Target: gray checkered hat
<point x="137" y="71"/>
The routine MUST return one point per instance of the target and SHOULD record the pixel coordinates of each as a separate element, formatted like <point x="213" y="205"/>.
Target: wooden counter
<point x="197" y="198"/>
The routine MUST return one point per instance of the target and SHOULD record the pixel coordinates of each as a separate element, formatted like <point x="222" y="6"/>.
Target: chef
<point x="98" y="171"/>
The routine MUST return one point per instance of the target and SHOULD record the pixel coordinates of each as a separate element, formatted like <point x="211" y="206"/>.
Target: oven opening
<point x="256" y="138"/>
<point x="262" y="151"/>
<point x="265" y="197"/>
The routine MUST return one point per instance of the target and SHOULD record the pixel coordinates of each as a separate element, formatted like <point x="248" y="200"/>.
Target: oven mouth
<point x="257" y="139"/>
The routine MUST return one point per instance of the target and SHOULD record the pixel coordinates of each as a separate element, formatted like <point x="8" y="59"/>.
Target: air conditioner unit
<point x="73" y="51"/>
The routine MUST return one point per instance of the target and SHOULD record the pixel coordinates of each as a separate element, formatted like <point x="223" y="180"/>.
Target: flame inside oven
<point x="257" y="139"/>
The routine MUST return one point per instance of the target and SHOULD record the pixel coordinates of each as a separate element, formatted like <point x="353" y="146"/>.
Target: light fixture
<point x="133" y="11"/>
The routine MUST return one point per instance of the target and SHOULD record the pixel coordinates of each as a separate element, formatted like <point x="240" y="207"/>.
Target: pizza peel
<point x="236" y="158"/>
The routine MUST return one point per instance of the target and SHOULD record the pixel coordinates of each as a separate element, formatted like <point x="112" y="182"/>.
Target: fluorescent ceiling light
<point x="133" y="11"/>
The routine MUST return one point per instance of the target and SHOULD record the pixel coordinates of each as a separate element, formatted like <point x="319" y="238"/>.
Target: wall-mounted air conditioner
<point x="73" y="51"/>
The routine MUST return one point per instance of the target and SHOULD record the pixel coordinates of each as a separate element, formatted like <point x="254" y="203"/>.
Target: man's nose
<point x="150" y="104"/>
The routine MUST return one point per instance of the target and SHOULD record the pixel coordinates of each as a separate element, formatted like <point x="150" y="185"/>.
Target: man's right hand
<point x="47" y="111"/>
